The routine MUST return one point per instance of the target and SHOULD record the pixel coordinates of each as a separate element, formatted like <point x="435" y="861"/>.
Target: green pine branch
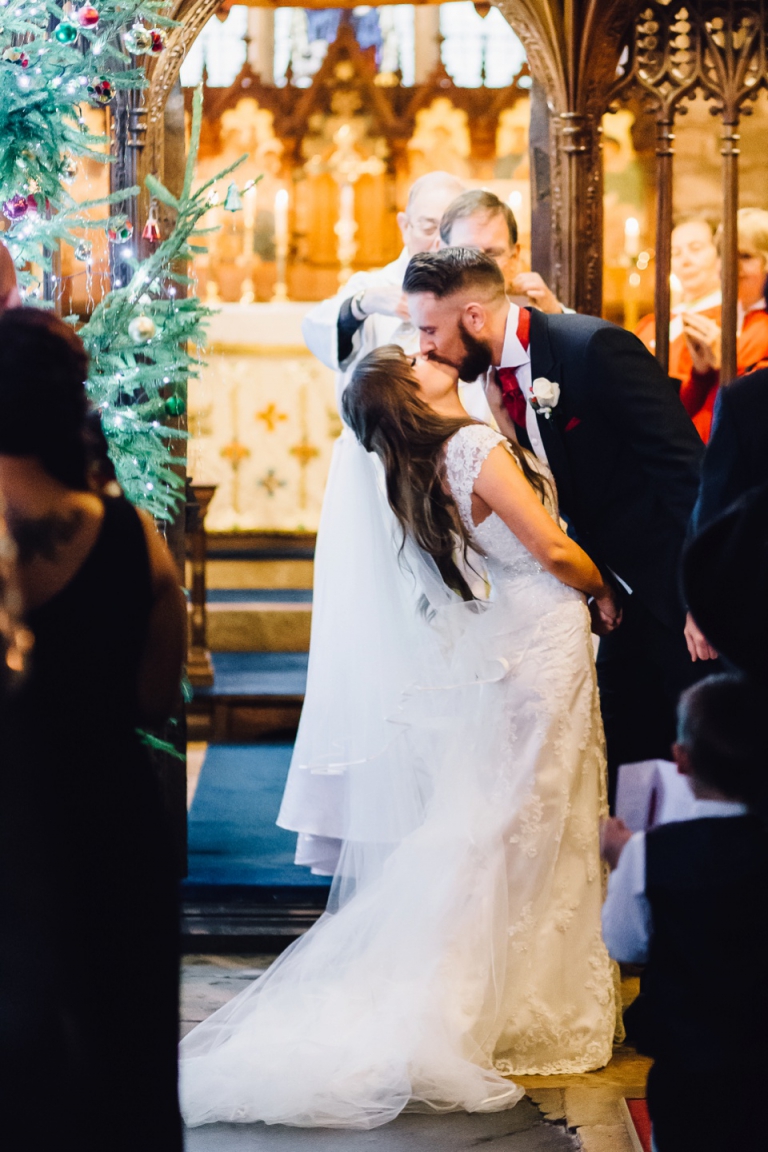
<point x="137" y="384"/>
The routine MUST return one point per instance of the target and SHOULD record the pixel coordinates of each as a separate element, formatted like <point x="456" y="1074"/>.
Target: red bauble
<point x="158" y="42"/>
<point x="151" y="231"/>
<point x="87" y="16"/>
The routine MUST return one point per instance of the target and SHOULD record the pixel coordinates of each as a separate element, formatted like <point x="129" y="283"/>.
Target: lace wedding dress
<point x="463" y="942"/>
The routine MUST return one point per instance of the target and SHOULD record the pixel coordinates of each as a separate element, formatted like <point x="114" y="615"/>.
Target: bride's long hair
<point x="382" y="406"/>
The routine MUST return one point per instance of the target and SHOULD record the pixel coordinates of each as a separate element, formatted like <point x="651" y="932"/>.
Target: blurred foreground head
<point x="725" y="576"/>
<point x="43" y="403"/>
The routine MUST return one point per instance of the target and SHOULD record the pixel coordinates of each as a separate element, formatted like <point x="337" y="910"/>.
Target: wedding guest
<point x="479" y="219"/>
<point x="88" y="902"/>
<point x="725" y="577"/>
<point x="696" y="265"/>
<point x="702" y="333"/>
<point x="690" y="901"/>
<point x="370" y="310"/>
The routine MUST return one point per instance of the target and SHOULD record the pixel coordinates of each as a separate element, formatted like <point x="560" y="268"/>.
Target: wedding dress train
<point x="462" y="943"/>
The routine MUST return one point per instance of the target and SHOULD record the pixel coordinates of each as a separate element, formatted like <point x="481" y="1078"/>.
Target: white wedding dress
<point x="463" y="941"/>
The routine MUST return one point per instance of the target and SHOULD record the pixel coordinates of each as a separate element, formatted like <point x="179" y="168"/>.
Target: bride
<point x="456" y="695"/>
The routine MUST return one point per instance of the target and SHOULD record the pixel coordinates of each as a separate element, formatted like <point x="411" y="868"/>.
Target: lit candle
<point x="249" y="204"/>
<point x="631" y="236"/>
<point x="281" y="218"/>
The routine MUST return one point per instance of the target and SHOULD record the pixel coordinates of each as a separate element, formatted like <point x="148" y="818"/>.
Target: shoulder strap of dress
<point x="465" y="455"/>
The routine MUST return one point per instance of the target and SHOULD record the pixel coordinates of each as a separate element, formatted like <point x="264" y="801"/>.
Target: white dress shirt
<point x="626" y="912"/>
<point x="513" y="355"/>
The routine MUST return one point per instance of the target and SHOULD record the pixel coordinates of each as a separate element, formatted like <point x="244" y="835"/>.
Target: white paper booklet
<point x="652" y="792"/>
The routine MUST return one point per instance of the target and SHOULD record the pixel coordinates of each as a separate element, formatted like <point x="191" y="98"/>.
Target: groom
<point x="592" y="402"/>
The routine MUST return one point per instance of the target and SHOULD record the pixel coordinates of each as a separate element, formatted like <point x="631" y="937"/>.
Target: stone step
<point x="255" y="695"/>
<point x="261" y="624"/>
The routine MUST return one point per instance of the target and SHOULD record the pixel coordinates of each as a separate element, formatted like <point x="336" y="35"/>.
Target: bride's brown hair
<point x="382" y="406"/>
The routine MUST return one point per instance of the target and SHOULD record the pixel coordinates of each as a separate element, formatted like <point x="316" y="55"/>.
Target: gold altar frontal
<point x="262" y="420"/>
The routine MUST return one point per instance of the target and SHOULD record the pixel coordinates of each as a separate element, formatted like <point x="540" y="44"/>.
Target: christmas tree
<point x="143" y="340"/>
<point x="143" y="335"/>
<point x="54" y="59"/>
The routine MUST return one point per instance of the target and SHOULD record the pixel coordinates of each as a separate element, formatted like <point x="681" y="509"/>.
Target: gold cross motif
<point x="270" y="482"/>
<point x="271" y="416"/>
<point x="235" y="453"/>
<point x="304" y="451"/>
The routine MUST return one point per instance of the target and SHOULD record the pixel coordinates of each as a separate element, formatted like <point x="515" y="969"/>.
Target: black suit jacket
<point x="625" y="456"/>
<point x="737" y="455"/>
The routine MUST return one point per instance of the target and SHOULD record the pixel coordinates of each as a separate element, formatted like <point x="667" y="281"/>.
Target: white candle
<point x="281" y="218"/>
<point x="631" y="236"/>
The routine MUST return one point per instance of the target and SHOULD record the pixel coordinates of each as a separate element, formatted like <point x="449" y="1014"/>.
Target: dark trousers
<point x="642" y="668"/>
<point x="696" y="1112"/>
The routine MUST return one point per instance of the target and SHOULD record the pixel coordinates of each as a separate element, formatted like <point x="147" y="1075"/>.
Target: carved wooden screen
<point x="675" y="51"/>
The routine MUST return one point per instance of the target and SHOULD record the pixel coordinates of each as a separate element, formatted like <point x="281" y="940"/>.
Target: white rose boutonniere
<point x="544" y="395"/>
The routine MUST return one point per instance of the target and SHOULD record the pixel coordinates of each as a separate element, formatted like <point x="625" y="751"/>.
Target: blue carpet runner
<point x="233" y="838"/>
<point x="258" y="674"/>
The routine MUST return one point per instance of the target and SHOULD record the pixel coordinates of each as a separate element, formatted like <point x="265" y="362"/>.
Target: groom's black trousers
<point x="642" y="668"/>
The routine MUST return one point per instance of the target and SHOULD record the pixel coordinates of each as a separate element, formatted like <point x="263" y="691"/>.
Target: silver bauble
<point x="141" y="329"/>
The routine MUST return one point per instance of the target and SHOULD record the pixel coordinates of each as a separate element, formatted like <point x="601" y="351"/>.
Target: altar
<point x="262" y="420"/>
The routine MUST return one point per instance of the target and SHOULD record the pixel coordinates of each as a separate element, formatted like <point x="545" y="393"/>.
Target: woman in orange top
<point x="696" y="266"/>
<point x="698" y="390"/>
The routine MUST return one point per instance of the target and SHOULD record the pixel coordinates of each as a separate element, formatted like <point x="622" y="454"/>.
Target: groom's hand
<point x="698" y="645"/>
<point x="605" y="612"/>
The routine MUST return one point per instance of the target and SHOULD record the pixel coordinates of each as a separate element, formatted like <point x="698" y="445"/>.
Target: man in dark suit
<point x="593" y="403"/>
<point x="737" y="454"/>
<point x="736" y="460"/>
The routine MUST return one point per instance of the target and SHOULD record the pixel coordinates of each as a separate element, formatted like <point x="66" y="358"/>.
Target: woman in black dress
<point x="88" y="901"/>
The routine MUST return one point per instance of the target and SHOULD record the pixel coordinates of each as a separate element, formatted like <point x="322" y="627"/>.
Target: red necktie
<point x="512" y="393"/>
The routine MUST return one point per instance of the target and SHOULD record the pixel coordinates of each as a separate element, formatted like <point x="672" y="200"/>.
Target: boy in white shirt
<point x="690" y="901"/>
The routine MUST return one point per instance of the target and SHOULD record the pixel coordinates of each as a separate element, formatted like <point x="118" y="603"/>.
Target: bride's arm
<point x="504" y="489"/>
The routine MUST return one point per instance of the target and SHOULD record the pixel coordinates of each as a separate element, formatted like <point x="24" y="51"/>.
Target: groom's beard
<point x="478" y="356"/>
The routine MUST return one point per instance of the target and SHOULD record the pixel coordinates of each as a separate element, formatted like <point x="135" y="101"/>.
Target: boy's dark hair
<point x="721" y="724"/>
<point x="473" y="203"/>
<point x="453" y="270"/>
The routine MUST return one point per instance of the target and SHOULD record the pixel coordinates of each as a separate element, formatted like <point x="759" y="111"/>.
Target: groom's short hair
<point x="453" y="270"/>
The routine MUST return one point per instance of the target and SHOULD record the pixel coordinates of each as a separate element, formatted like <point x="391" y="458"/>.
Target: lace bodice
<point x="464" y="457"/>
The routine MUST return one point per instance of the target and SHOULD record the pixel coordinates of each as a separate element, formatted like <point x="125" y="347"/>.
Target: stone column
<point x="426" y="33"/>
<point x="261" y="47"/>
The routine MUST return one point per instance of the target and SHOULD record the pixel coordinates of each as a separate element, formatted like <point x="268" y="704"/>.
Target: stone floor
<point x="558" y="1114"/>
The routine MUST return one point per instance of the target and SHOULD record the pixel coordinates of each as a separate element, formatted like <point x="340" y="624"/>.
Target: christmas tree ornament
<point x="141" y="329"/>
<point x="87" y="16"/>
<point x="67" y="169"/>
<point x="84" y="251"/>
<point x="158" y="40"/>
<point x="151" y="228"/>
<point x="119" y="233"/>
<point x="16" y="56"/>
<point x="101" y="91"/>
<point x="233" y="201"/>
<point x="137" y="40"/>
<point x="16" y="207"/>
<point x="66" y="32"/>
<point x="175" y="406"/>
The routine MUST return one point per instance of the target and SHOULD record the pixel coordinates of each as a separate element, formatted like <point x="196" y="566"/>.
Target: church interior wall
<point x="308" y="95"/>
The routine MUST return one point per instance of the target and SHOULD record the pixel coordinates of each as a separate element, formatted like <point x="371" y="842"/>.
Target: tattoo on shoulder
<point x="41" y="538"/>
